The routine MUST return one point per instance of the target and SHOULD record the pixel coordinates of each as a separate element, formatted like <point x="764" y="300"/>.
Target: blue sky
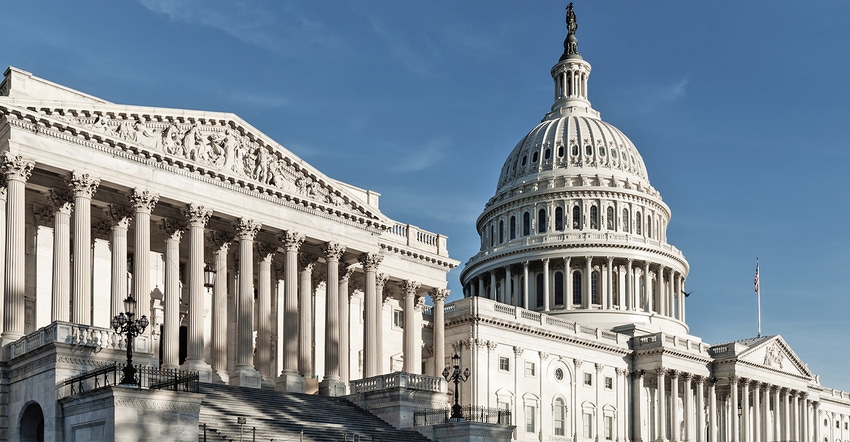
<point x="739" y="109"/>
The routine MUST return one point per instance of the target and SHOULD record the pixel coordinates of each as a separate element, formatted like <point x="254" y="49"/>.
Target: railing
<point x="415" y="237"/>
<point x="149" y="378"/>
<point x="75" y="334"/>
<point x="399" y="379"/>
<point x="471" y="413"/>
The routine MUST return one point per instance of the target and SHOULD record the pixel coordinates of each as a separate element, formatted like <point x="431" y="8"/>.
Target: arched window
<point x="32" y="423"/>
<point x="656" y="302"/>
<point x="576" y="287"/>
<point x="526" y="224"/>
<point x="559" y="219"/>
<point x="559" y="413"/>
<point x="574" y="150"/>
<point x="637" y="223"/>
<point x="524" y="160"/>
<point x="541" y="221"/>
<point x="609" y="218"/>
<point x="540" y="293"/>
<point x="559" y="288"/>
<point x="547" y="154"/>
<point x="560" y="151"/>
<point x="534" y="156"/>
<point x="594" y="217"/>
<point x="648" y="226"/>
<point x="492" y="236"/>
<point x="615" y="287"/>
<point x="513" y="227"/>
<point x="626" y="221"/>
<point x="576" y="217"/>
<point x="501" y="231"/>
<point x="594" y="288"/>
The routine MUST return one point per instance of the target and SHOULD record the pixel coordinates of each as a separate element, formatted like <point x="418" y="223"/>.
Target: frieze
<point x="134" y="402"/>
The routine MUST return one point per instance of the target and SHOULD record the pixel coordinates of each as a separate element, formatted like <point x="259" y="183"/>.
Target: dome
<point x="575" y="229"/>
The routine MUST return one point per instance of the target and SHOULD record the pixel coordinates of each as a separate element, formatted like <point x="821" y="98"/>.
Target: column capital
<point x="577" y="362"/>
<point x="196" y="215"/>
<point x="15" y="167"/>
<point x="419" y="304"/>
<point x="345" y="274"/>
<point x="43" y="214"/>
<point x="61" y="199"/>
<point x="246" y="228"/>
<point x="371" y="261"/>
<point x="143" y="200"/>
<point x="687" y="377"/>
<point x="306" y="261"/>
<point x="82" y="184"/>
<point x="265" y="251"/>
<point x="545" y="261"/>
<point x="333" y="251"/>
<point x="290" y="240"/>
<point x="620" y="371"/>
<point x="543" y="355"/>
<point x="439" y="295"/>
<point x="525" y="265"/>
<point x="220" y="240"/>
<point x="804" y="395"/>
<point x="674" y="374"/>
<point x="638" y="374"/>
<point x="733" y="379"/>
<point x="173" y="229"/>
<point x="598" y="367"/>
<point x="410" y="287"/>
<point x="660" y="371"/>
<point x="120" y="215"/>
<point x="381" y="280"/>
<point x="518" y="351"/>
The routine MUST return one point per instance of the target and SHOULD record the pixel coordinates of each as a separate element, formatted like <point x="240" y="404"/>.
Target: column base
<point x="220" y="377"/>
<point x="204" y="370"/>
<point x="8" y="338"/>
<point x="290" y="383"/>
<point x="332" y="387"/>
<point x="245" y="376"/>
<point x="267" y="382"/>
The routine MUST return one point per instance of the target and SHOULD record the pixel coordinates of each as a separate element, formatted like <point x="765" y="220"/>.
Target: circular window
<point x="559" y="374"/>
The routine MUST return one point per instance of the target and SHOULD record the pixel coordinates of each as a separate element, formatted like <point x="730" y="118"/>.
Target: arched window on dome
<point x="559" y="288"/>
<point x="637" y="223"/>
<point x="540" y="293"/>
<point x="609" y="218"/>
<point x="574" y="150"/>
<point x="649" y="226"/>
<point x="513" y="227"/>
<point x="559" y="219"/>
<point x="526" y="224"/>
<point x="560" y="151"/>
<point x="501" y="231"/>
<point x="492" y="236"/>
<point x="594" y="217"/>
<point x="524" y="160"/>
<point x="541" y="221"/>
<point x="576" y="287"/>
<point x="576" y="217"/>
<point x="547" y="154"/>
<point x="626" y="221"/>
<point x="615" y="287"/>
<point x="588" y="150"/>
<point x="613" y="153"/>
<point x="656" y="302"/>
<point x="594" y="287"/>
<point x="534" y="156"/>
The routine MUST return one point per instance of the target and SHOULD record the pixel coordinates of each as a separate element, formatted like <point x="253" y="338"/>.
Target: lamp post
<point x="209" y="276"/>
<point x="124" y="324"/>
<point x="457" y="377"/>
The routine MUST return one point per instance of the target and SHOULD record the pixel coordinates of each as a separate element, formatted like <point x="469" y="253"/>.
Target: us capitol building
<point x="257" y="270"/>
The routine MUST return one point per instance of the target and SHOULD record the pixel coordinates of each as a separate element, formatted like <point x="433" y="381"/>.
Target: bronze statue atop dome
<point x="571" y="43"/>
<point x="572" y="26"/>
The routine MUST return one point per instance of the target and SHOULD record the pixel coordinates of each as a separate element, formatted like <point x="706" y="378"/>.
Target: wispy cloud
<point x="424" y="156"/>
<point x="650" y="97"/>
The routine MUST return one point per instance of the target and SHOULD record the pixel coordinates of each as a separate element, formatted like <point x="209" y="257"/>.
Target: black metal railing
<point x="148" y="378"/>
<point x="471" y="413"/>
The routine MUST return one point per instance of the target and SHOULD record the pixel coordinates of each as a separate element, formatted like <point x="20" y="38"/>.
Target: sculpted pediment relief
<point x="775" y="354"/>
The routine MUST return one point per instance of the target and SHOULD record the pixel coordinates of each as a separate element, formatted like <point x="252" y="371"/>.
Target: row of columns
<point x="740" y="413"/>
<point x="620" y="290"/>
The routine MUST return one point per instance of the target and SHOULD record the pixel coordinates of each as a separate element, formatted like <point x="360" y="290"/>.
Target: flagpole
<point x="758" y="293"/>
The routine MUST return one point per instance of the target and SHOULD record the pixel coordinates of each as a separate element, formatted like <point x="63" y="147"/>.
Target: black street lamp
<point x="209" y="276"/>
<point x="124" y="324"/>
<point x="457" y="377"/>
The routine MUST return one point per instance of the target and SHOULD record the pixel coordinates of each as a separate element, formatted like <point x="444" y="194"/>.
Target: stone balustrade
<point x="399" y="380"/>
<point x="77" y="335"/>
<point x="417" y="238"/>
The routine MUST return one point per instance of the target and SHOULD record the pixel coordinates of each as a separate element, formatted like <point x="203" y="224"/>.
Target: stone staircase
<point x="282" y="417"/>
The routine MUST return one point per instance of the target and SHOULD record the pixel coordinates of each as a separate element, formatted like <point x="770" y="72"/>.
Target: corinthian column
<point x="439" y="297"/>
<point x="62" y="201"/>
<point x="170" y="341"/>
<point x="344" y="326"/>
<point x="370" y="262"/>
<point x="662" y="404"/>
<point x="197" y="218"/>
<point x="380" y="281"/>
<point x="120" y="216"/>
<point x="143" y="203"/>
<point x="218" y="344"/>
<point x="331" y="385"/>
<point x="17" y="171"/>
<point x="83" y="186"/>
<point x="409" y="348"/>
<point x="3" y="199"/>
<point x="244" y="373"/>
<point x="305" y="310"/>
<point x="289" y="379"/>
<point x="733" y="404"/>
<point x="265" y="252"/>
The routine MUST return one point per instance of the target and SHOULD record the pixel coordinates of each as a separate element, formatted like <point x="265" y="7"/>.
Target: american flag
<point x="756" y="279"/>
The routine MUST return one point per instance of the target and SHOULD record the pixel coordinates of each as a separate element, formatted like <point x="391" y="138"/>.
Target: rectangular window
<point x="609" y="427"/>
<point x="530" y="416"/>
<point x="398" y="318"/>
<point x="503" y="417"/>
<point x="504" y="364"/>
<point x="609" y="383"/>
<point x="587" y="421"/>
<point x="588" y="379"/>
<point x="529" y="369"/>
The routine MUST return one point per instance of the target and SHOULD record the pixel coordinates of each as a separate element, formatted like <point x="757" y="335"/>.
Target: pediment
<point x="774" y="353"/>
<point x="214" y="145"/>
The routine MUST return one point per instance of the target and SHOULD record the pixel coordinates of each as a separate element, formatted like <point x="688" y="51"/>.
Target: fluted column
<point x="143" y="203"/>
<point x="546" y="292"/>
<point x="370" y="262"/>
<point x="700" y="409"/>
<point x="509" y="299"/>
<point x="62" y="202"/>
<point x="218" y="340"/>
<point x="244" y="373"/>
<point x="816" y="420"/>
<point x="674" y="405"/>
<point x="630" y="297"/>
<point x="687" y="401"/>
<point x="661" y="292"/>
<point x="3" y="221"/>
<point x="170" y="340"/>
<point x="681" y="298"/>
<point x="525" y="284"/>
<point x="733" y="405"/>
<point x="568" y="283"/>
<point x="17" y="171"/>
<point x="795" y="418"/>
<point x="637" y="410"/>
<point x="806" y="434"/>
<point x="712" y="410"/>
<point x="777" y="416"/>
<point x="197" y="217"/>
<point x="757" y="417"/>
<point x="345" y="326"/>
<point x="745" y="410"/>
<point x="439" y="297"/>
<point x="380" y="281"/>
<point x="331" y="385"/>
<point x="609" y="287"/>
<point x="662" y="404"/>
<point x="305" y="313"/>
<point x="265" y="254"/>
<point x="121" y="217"/>
<point x="786" y="413"/>
<point x="587" y="294"/>
<point x="647" y="289"/>
<point x="83" y="187"/>
<point x="492" y="294"/>
<point x="290" y="380"/>
<point x="410" y="288"/>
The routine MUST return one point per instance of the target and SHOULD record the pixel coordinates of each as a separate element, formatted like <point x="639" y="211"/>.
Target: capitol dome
<point x="575" y="229"/>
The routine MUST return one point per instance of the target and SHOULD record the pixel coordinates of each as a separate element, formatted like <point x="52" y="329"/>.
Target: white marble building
<point x="573" y="314"/>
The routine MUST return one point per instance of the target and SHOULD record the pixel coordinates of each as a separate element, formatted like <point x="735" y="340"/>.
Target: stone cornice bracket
<point x="220" y="240"/>
<point x="371" y="261"/>
<point x="333" y="251"/>
<point x="172" y="228"/>
<point x="196" y="215"/>
<point x="61" y="199"/>
<point x="143" y="200"/>
<point x="290" y="240"/>
<point x="82" y="184"/>
<point x="306" y="261"/>
<point x="15" y="167"/>
<point x="439" y="295"/>
<point x="246" y="228"/>
<point x="120" y="215"/>
<point x="265" y="251"/>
